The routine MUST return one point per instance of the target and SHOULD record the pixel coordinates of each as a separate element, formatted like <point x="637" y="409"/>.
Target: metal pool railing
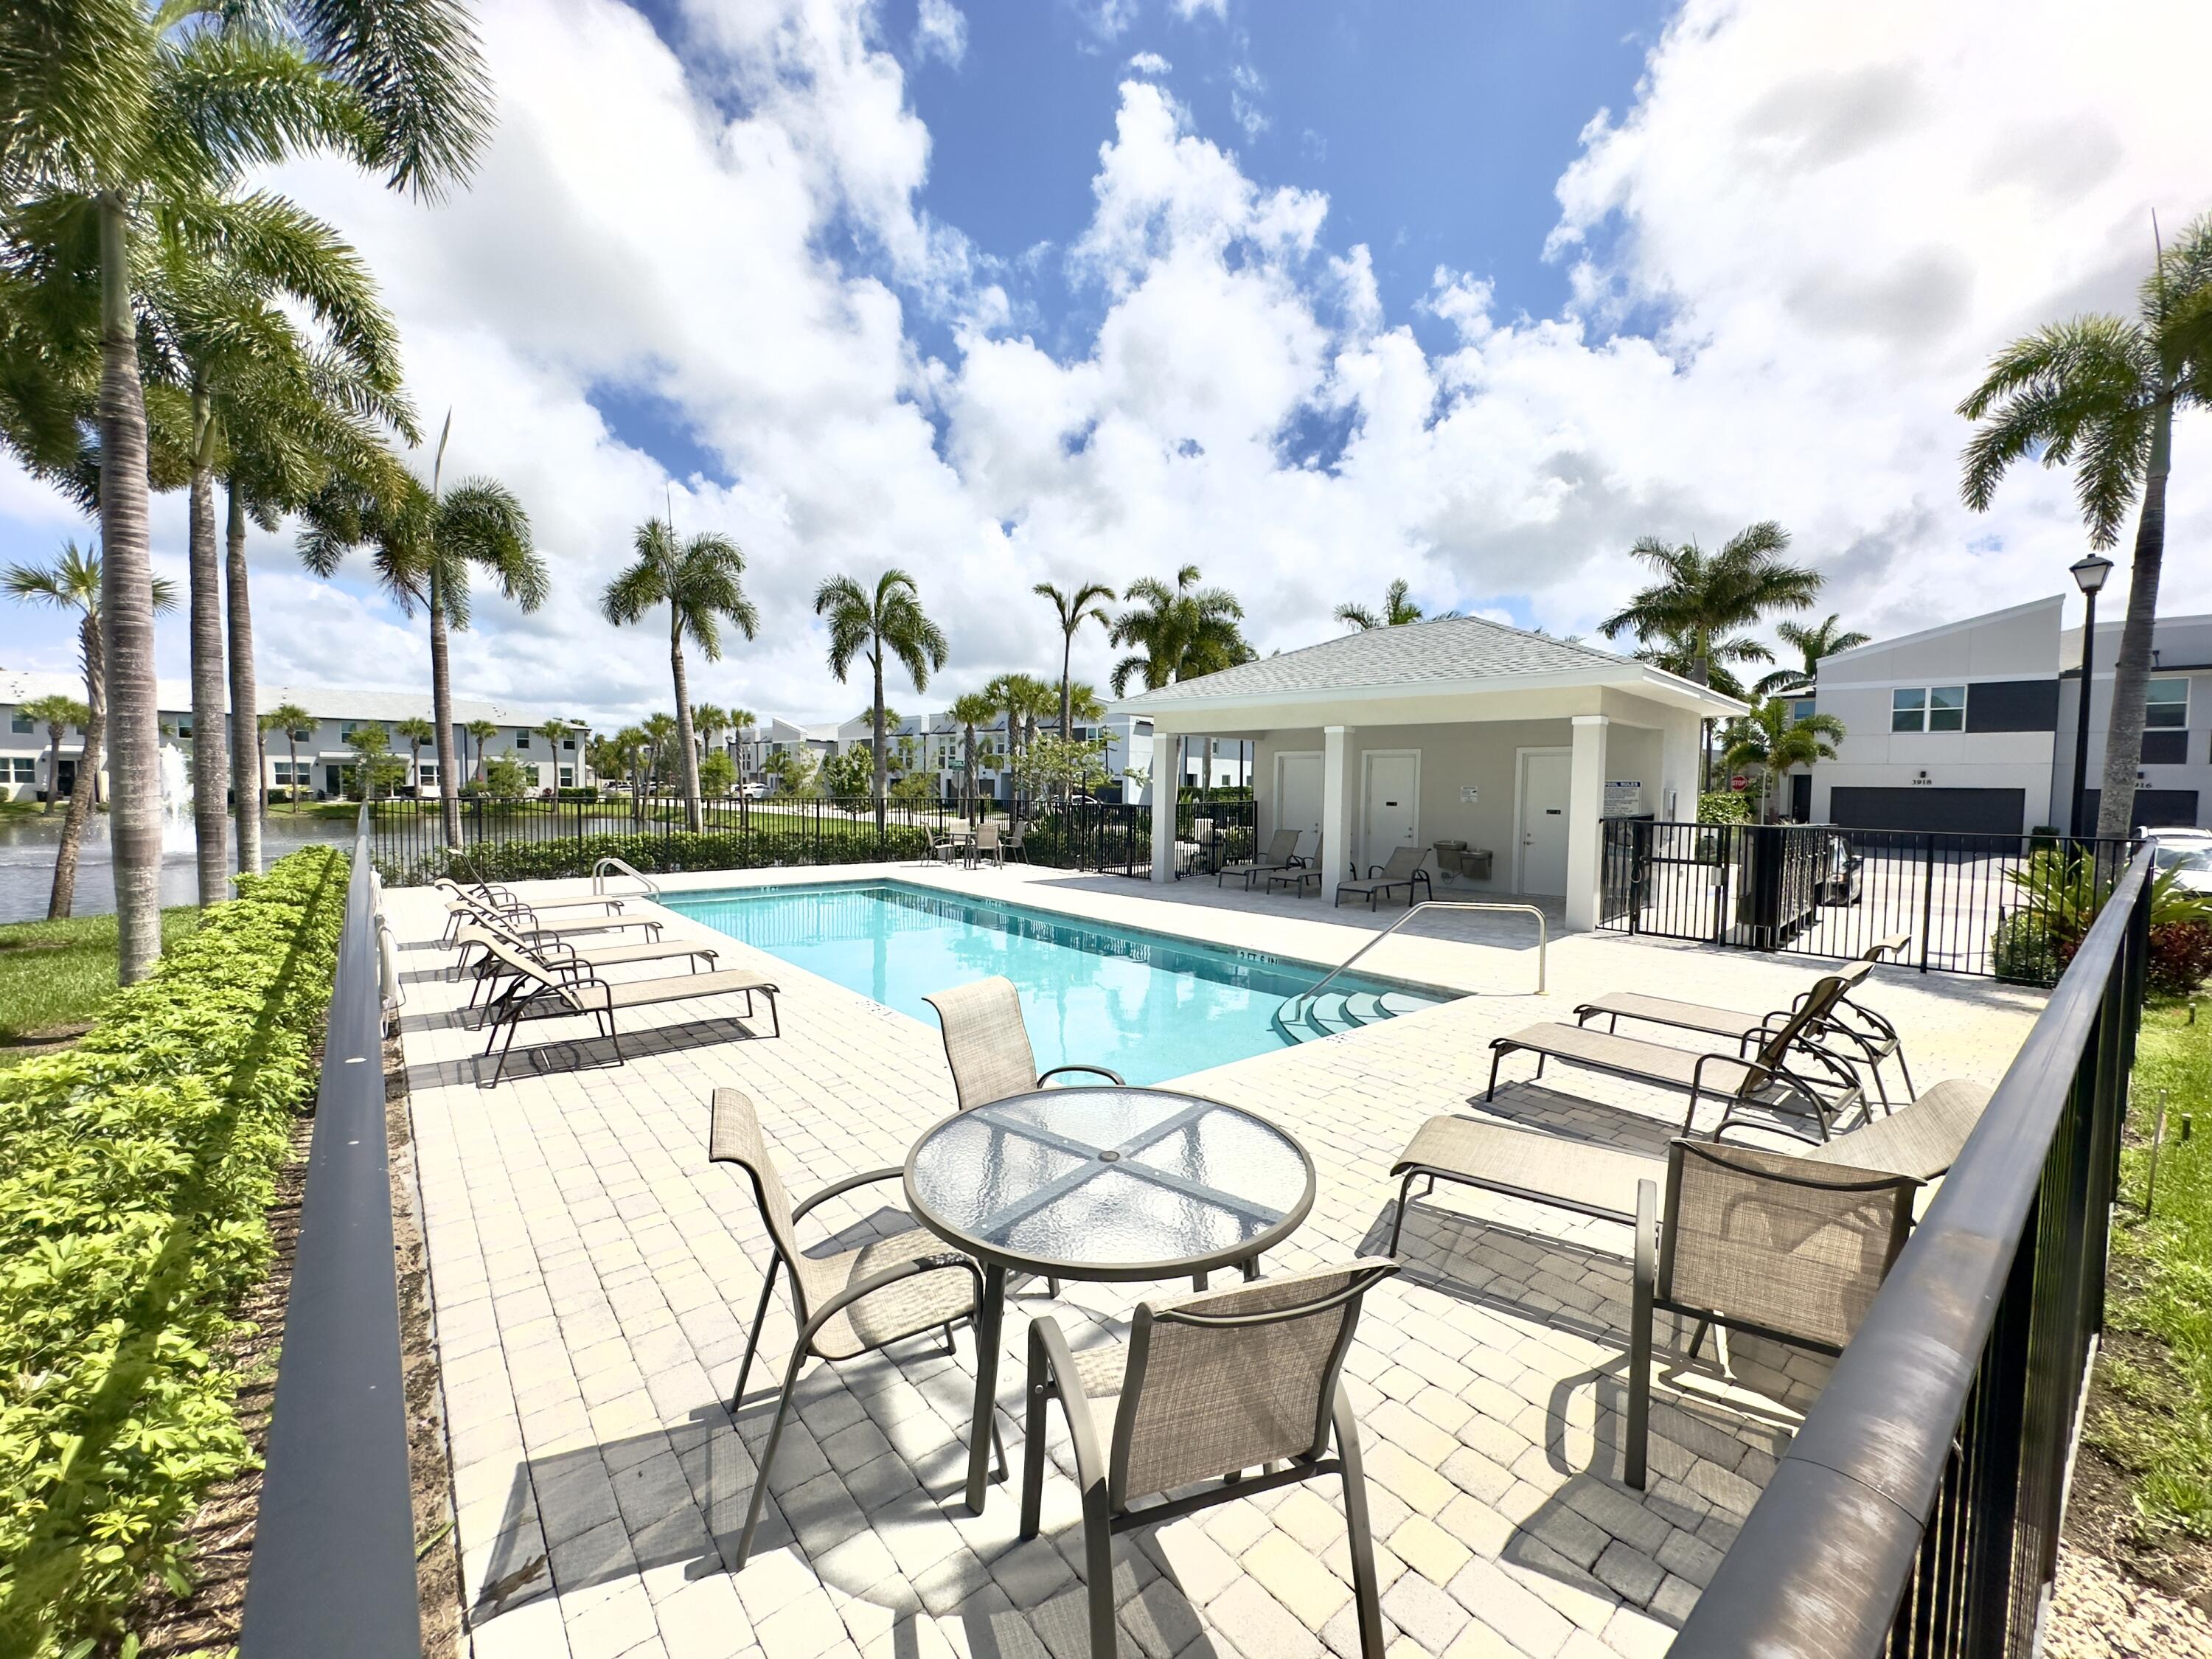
<point x="1917" y="1514"/>
<point x="1543" y="941"/>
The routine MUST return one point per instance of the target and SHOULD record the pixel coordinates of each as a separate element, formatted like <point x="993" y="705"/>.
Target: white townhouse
<point x="324" y="746"/>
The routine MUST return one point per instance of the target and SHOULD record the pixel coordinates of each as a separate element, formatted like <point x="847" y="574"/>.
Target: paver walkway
<point x="593" y="1275"/>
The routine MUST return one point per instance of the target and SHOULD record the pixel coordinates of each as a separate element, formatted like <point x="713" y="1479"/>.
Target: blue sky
<point x="1314" y="296"/>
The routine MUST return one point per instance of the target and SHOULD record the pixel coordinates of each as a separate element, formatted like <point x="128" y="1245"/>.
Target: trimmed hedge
<point x="138" y="1169"/>
<point x="760" y="848"/>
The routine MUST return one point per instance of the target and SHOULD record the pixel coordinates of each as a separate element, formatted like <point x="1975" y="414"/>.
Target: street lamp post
<point x="2089" y="575"/>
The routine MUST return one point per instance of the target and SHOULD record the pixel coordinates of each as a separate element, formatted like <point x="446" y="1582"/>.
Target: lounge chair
<point x="1222" y="1384"/>
<point x="1757" y="1242"/>
<point x="552" y="990"/>
<point x="1921" y="1139"/>
<point x="1309" y="870"/>
<point x="1403" y="869"/>
<point x="505" y="898"/>
<point x="526" y="923"/>
<point x="1282" y="853"/>
<point x="1890" y="948"/>
<point x="460" y="905"/>
<point x="1790" y="1073"/>
<point x="550" y="953"/>
<point x="1855" y="1026"/>
<point x="907" y="1285"/>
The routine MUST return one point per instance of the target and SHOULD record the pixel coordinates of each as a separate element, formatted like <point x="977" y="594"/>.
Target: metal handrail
<point x="599" y="877"/>
<point x="1543" y="940"/>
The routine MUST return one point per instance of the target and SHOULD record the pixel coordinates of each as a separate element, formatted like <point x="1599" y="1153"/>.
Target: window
<point x="568" y="777"/>
<point x="568" y="743"/>
<point x="27" y="769"/>
<point x="1929" y="708"/>
<point x="2165" y="703"/>
<point x="183" y="726"/>
<point x="20" y="721"/>
<point x="345" y="733"/>
<point x="1802" y="709"/>
<point x="428" y="774"/>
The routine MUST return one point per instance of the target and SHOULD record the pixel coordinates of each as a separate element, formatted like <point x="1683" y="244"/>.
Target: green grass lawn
<point x="55" y="975"/>
<point x="2153" y="1416"/>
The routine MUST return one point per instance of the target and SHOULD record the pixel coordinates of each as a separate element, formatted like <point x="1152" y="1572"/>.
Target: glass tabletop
<point x="1109" y="1183"/>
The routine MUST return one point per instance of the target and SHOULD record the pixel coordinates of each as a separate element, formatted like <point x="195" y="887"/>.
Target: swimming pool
<point x="1149" y="1005"/>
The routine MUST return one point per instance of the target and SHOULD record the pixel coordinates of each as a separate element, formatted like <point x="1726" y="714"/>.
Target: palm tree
<point x="371" y="744"/>
<point x="1824" y="640"/>
<point x="661" y="734"/>
<point x="2103" y="390"/>
<point x="291" y="720"/>
<point x="1688" y="620"/>
<point x="1022" y="698"/>
<point x="628" y="747"/>
<point x="424" y="542"/>
<point x="1398" y="609"/>
<point x="710" y="720"/>
<point x="974" y="709"/>
<point x="73" y="582"/>
<point x="700" y="580"/>
<point x="1072" y="610"/>
<point x="1773" y="739"/>
<point x="555" y="733"/>
<point x="137" y="120"/>
<point x="1179" y="632"/>
<point x="56" y="713"/>
<point x="417" y="731"/>
<point x="864" y="624"/>
<point x="482" y="732"/>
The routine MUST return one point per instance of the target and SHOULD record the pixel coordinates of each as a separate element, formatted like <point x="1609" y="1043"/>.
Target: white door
<point x="1390" y="813"/>
<point x="1544" y="784"/>
<point x="1298" y="796"/>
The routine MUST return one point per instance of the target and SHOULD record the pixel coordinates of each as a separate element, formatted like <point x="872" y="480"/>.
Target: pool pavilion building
<point x="1459" y="730"/>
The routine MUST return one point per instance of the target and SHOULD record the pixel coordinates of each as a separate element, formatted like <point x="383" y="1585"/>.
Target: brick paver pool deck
<point x="593" y="1274"/>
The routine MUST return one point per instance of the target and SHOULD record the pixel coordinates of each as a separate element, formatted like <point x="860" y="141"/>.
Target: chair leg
<point x="1639" y="1337"/>
<point x="1366" y="1586"/>
<point x="1398" y="1222"/>
<point x="1098" y="1572"/>
<point x="1910" y="1093"/>
<point x="753" y="1341"/>
<point x="768" y="1458"/>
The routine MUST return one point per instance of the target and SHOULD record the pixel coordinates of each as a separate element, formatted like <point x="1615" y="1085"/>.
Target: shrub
<point x="767" y="845"/>
<point x="1723" y="806"/>
<point x="2024" y="950"/>
<point x="139" y="1168"/>
<point x="2180" y="956"/>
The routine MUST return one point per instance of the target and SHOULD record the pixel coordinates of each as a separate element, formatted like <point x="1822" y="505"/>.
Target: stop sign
<point x="1738" y="781"/>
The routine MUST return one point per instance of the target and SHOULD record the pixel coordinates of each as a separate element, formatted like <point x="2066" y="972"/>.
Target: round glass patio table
<point x="1100" y="1183"/>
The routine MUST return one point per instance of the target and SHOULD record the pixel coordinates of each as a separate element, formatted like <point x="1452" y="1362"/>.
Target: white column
<point x="1678" y="771"/>
<point x="1166" y="790"/>
<point x="1335" y="810"/>
<point x="1585" y="812"/>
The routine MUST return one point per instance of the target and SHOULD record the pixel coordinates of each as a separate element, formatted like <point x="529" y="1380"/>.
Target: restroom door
<point x="1543" y="821"/>
<point x="1390" y="802"/>
<point x="1298" y="796"/>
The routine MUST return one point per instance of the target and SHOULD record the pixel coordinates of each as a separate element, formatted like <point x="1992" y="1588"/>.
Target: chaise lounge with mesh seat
<point x="1402" y="869"/>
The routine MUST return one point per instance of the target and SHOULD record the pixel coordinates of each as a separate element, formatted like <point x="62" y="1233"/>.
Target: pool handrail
<point x="1543" y="938"/>
<point x="599" y="877"/>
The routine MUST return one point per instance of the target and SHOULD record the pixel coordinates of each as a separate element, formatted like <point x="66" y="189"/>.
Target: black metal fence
<point x="1919" y="1510"/>
<point x="2010" y="906"/>
<point x="519" y="839"/>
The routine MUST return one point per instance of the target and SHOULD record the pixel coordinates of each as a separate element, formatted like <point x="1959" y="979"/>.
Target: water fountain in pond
<point x="176" y="790"/>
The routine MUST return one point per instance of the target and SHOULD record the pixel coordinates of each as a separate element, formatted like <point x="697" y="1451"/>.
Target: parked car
<point x="2187" y="851"/>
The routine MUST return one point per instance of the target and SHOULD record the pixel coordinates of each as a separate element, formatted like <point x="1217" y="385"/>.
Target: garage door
<point x="1951" y="811"/>
<point x="2155" y="808"/>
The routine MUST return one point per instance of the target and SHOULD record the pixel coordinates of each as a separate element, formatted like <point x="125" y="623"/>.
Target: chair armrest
<point x="1048" y="1350"/>
<point x="1099" y="1070"/>
<point x="846" y="1185"/>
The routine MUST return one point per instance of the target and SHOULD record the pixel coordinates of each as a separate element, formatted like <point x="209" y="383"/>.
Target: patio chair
<point x="1282" y="853"/>
<point x="1857" y="1026"/>
<point x="1207" y="1386"/>
<point x="944" y="846"/>
<point x="853" y="1303"/>
<point x="1921" y="1139"/>
<point x="987" y="1045"/>
<point x="1891" y="947"/>
<point x="988" y="845"/>
<point x="1777" y="1246"/>
<point x="460" y="906"/>
<point x="550" y="990"/>
<point x="1791" y="1073"/>
<point x="1308" y="870"/>
<point x="1403" y="869"/>
<point x="549" y="953"/>
<point x="505" y="898"/>
<point x="1014" y="847"/>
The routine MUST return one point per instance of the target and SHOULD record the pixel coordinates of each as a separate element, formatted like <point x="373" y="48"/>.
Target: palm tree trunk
<point x="684" y="740"/>
<point x="210" y="763"/>
<point x="246" y="765"/>
<point x="53" y="767"/>
<point x="882" y="759"/>
<point x="2116" y="804"/>
<point x="127" y="591"/>
<point x="63" y="899"/>
<point x="292" y="794"/>
<point x="441" y="710"/>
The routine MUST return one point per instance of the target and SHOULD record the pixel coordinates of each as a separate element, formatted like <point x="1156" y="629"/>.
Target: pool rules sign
<point x="1624" y="799"/>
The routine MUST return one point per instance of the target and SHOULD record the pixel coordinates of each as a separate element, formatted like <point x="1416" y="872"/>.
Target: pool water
<point x="1147" y="1005"/>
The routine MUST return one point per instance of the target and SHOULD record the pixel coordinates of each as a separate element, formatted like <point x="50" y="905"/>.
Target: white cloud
<point x="1150" y="62"/>
<point x="1245" y="85"/>
<point x="941" y="31"/>
<point x="1823" y="218"/>
<point x="1188" y="9"/>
